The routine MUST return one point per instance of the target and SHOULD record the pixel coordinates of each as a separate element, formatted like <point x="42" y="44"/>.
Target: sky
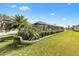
<point x="62" y="14"/>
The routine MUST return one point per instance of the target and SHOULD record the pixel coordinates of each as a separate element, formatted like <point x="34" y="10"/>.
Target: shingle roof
<point x="40" y="22"/>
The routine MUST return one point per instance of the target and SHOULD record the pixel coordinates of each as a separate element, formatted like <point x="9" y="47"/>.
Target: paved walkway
<point x="7" y="34"/>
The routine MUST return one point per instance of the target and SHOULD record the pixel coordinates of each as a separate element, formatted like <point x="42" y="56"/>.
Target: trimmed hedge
<point x="45" y="33"/>
<point x="41" y="35"/>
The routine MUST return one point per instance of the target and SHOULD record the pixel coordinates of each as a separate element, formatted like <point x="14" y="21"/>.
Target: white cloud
<point x="64" y="19"/>
<point x="52" y="14"/>
<point x="13" y="6"/>
<point x="24" y="8"/>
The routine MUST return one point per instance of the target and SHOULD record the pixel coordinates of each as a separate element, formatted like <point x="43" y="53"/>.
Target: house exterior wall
<point x="46" y="27"/>
<point x="76" y="28"/>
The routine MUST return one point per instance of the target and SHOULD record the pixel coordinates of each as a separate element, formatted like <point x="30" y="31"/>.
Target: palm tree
<point x="25" y="29"/>
<point x="17" y="22"/>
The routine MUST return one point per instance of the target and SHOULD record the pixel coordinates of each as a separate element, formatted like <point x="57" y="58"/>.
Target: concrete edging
<point x="30" y="42"/>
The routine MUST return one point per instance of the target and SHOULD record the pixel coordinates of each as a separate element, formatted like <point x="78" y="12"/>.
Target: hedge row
<point x="42" y="34"/>
<point x="46" y="33"/>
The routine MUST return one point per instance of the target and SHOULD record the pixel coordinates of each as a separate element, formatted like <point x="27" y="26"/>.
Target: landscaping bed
<point x="44" y="34"/>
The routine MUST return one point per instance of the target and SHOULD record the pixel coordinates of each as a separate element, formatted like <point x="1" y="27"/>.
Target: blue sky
<point x="62" y="14"/>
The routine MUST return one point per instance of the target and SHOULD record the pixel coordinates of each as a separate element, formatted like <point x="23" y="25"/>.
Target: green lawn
<point x="63" y="44"/>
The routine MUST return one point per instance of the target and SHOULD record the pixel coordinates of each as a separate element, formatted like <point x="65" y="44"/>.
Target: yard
<point x="63" y="44"/>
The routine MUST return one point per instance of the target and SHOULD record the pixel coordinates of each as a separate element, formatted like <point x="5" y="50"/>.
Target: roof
<point x="40" y="22"/>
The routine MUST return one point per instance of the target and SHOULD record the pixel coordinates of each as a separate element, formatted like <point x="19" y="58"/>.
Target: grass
<point x="63" y="44"/>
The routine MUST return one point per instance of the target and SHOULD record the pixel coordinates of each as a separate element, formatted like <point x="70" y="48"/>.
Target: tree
<point x="4" y="19"/>
<point x="25" y="29"/>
